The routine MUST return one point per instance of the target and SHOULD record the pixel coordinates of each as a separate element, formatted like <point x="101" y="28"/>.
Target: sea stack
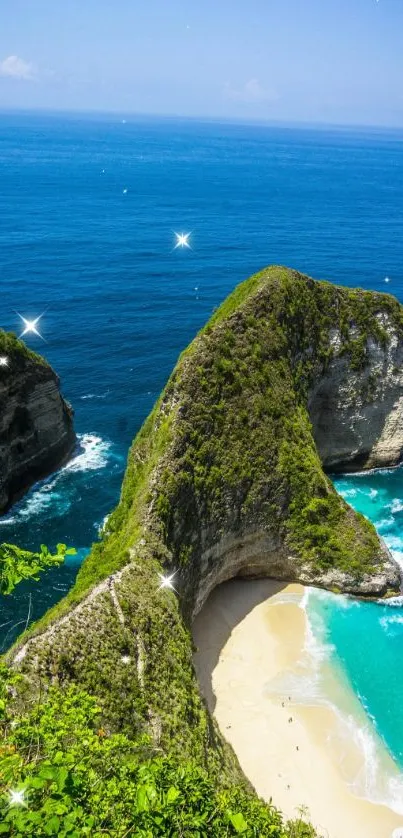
<point x="227" y="479"/>
<point x="36" y="423"/>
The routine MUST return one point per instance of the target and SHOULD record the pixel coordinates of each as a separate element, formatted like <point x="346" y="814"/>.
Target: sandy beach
<point x="248" y="635"/>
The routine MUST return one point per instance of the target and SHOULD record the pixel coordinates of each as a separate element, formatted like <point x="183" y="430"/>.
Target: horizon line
<point x="200" y="118"/>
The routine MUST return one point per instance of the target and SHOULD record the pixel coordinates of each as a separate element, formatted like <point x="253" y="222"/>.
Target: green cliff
<point x="226" y="478"/>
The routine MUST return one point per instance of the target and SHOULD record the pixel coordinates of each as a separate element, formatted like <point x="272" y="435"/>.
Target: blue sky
<point x="337" y="61"/>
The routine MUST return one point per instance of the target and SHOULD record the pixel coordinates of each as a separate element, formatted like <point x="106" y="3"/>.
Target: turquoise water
<point x="364" y="641"/>
<point x="88" y="213"/>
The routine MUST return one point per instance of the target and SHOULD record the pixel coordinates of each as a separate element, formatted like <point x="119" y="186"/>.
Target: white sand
<point x="245" y="639"/>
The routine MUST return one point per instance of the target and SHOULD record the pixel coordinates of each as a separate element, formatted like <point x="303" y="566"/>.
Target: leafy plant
<point x="62" y="773"/>
<point x="17" y="564"/>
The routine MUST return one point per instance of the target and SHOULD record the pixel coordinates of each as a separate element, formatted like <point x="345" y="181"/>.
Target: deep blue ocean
<point x="89" y="207"/>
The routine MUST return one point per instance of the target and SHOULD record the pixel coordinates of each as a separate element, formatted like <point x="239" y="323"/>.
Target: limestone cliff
<point x="357" y="410"/>
<point x="36" y="426"/>
<point x="225" y="478"/>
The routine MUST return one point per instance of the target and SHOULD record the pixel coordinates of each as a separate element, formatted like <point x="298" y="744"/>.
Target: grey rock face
<point x="257" y="555"/>
<point x="36" y="427"/>
<point x="357" y="416"/>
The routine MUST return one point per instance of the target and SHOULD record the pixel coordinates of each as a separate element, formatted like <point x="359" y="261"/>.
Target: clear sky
<point x="337" y="61"/>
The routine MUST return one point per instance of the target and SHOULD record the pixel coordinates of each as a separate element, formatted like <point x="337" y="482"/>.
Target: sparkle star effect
<point x="125" y="658"/>
<point x="3" y="361"/>
<point x="182" y="240"/>
<point x="166" y="582"/>
<point x="30" y="326"/>
<point x="17" y="798"/>
<point x="387" y="279"/>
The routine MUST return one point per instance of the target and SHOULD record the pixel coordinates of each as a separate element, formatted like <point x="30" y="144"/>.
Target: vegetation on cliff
<point x="15" y="349"/>
<point x="231" y="438"/>
<point x="228" y="449"/>
<point x="62" y="773"/>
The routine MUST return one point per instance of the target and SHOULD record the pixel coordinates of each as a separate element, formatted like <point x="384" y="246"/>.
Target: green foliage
<point x="77" y="779"/>
<point x="17" y="352"/>
<point x="321" y="527"/>
<point x="244" y="450"/>
<point x="17" y="564"/>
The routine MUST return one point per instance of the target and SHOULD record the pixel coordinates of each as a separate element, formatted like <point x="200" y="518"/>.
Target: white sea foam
<point x="303" y="682"/>
<point x="102" y="530"/>
<point x="373" y="493"/>
<point x="8" y="520"/>
<point x="374" y="782"/>
<point x="394" y="619"/>
<point x="92" y="454"/>
<point x="393" y="601"/>
<point x="389" y="470"/>
<point x="49" y="495"/>
<point x="395" y="506"/>
<point x="95" y="395"/>
<point x="394" y="542"/>
<point x="348" y="493"/>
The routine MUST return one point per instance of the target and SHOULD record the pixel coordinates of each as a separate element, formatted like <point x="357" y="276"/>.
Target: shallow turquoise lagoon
<point x="364" y="641"/>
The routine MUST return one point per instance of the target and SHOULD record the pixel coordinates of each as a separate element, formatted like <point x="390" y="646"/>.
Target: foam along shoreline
<point x="250" y="639"/>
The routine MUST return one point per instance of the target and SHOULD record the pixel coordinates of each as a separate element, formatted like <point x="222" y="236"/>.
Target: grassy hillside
<point x="227" y="450"/>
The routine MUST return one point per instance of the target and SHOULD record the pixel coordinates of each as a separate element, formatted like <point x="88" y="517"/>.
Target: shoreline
<point x="250" y="637"/>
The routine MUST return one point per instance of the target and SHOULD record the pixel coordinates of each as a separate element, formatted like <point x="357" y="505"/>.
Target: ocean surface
<point x="89" y="207"/>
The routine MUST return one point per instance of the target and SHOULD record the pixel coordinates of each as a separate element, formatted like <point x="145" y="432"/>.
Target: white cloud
<point x="14" y="67"/>
<point x="251" y="92"/>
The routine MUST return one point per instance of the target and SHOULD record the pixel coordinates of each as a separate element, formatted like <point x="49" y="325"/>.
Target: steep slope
<point x="36" y="425"/>
<point x="225" y="478"/>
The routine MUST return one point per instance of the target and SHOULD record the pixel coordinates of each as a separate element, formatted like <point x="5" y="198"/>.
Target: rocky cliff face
<point x="226" y="478"/>
<point x="36" y="426"/>
<point x="357" y="414"/>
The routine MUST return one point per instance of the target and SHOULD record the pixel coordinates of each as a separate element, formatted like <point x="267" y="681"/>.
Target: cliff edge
<point x="36" y="424"/>
<point x="226" y="478"/>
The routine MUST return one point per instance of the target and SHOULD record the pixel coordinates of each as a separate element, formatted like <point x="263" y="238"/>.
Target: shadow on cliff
<point x="225" y="608"/>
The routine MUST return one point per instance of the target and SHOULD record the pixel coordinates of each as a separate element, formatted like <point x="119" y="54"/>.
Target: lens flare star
<point x="17" y="798"/>
<point x="30" y="326"/>
<point x="3" y="361"/>
<point x="182" y="240"/>
<point x="166" y="582"/>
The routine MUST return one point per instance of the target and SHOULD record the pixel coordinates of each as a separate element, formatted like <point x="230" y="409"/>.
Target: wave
<point x="394" y="619"/>
<point x="95" y="395"/>
<point x="381" y="470"/>
<point x="348" y="493"/>
<point x="377" y="780"/>
<point x="353" y="492"/>
<point x="51" y="496"/>
<point x="93" y="453"/>
<point x="102" y="528"/>
<point x="395" y="506"/>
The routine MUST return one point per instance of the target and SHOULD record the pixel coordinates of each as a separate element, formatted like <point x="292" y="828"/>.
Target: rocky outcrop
<point x="36" y="424"/>
<point x="357" y="415"/>
<point x="226" y="479"/>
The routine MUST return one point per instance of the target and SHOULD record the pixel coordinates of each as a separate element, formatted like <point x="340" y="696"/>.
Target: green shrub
<point x="62" y="774"/>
